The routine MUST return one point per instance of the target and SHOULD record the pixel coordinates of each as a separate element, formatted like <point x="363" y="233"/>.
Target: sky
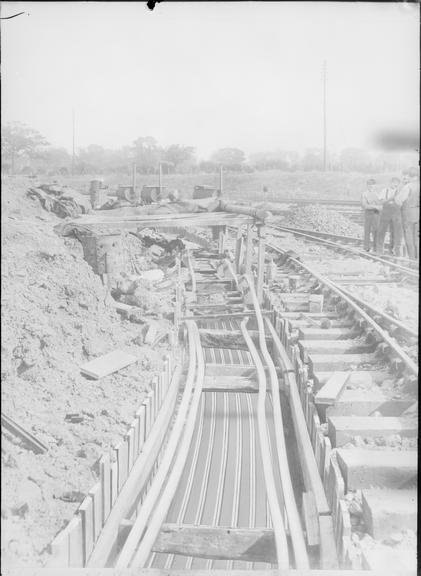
<point x="211" y="74"/>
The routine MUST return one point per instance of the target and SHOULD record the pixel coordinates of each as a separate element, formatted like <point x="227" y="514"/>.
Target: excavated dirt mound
<point x="321" y="219"/>
<point x="56" y="315"/>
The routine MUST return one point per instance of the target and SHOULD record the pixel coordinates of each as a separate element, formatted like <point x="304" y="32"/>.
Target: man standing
<point x="409" y="199"/>
<point x="390" y="219"/>
<point x="371" y="204"/>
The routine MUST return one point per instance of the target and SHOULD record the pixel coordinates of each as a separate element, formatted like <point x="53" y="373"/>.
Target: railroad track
<point x="277" y="437"/>
<point x="406" y="267"/>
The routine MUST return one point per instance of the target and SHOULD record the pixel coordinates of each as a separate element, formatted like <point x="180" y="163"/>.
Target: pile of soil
<point x="321" y="219"/>
<point x="57" y="315"/>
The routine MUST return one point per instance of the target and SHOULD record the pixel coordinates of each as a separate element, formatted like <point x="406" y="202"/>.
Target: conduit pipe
<point x="152" y="496"/>
<point x="296" y="531"/>
<point x="161" y="510"/>
<point x="281" y="542"/>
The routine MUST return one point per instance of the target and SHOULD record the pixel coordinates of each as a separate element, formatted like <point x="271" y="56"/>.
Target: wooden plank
<point x="135" y="426"/>
<point x="357" y="379"/>
<point x="147" y="404"/>
<point x="60" y="549"/>
<point x="339" y="362"/>
<point x="343" y="428"/>
<point x="96" y="494"/>
<point x="107" y="364"/>
<point x="311" y="519"/>
<point x="105" y="479"/>
<point x="86" y="512"/>
<point x="114" y="481"/>
<point x="333" y="388"/>
<point x="335" y="346"/>
<point x="151" y="397"/>
<point x="328" y="555"/>
<point x="230" y="384"/>
<point x="29" y="439"/>
<point x="130" y="446"/>
<point x="76" y="546"/>
<point x="122" y="462"/>
<point x="326" y="334"/>
<point x="251" y="545"/>
<point x="365" y="402"/>
<point x="141" y="417"/>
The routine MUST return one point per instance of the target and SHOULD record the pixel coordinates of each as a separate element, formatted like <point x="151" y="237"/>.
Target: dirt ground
<point x="56" y="316"/>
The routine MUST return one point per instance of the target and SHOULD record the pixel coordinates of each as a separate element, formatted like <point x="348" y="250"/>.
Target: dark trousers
<point x="392" y="221"/>
<point x="411" y="231"/>
<point x="371" y="225"/>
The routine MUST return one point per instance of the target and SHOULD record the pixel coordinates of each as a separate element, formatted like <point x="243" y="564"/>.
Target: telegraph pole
<point x="324" y="118"/>
<point x="73" y="142"/>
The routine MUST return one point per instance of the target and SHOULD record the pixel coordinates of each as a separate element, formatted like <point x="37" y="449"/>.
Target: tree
<point x="230" y="157"/>
<point x="355" y="160"/>
<point x="312" y="159"/>
<point x="148" y="154"/>
<point x="177" y="155"/>
<point x="18" y="140"/>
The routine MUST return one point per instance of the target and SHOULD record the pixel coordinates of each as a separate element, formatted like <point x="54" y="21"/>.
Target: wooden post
<point x="249" y="248"/>
<point x="220" y="179"/>
<point x="160" y="180"/>
<point x="134" y="181"/>
<point x="221" y="243"/>
<point x="238" y="250"/>
<point x="260" y="263"/>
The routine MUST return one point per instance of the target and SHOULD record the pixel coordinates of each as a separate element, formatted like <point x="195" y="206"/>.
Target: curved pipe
<point x="297" y="537"/>
<point x="152" y="496"/>
<point x="164" y="503"/>
<point x="281" y="543"/>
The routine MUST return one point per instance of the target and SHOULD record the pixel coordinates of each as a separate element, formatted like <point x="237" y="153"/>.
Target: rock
<point x="81" y="453"/>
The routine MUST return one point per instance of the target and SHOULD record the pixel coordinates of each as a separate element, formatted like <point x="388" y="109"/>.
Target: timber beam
<point x="249" y="545"/>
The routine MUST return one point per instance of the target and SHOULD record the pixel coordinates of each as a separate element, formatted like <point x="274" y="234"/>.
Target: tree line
<point x="26" y="151"/>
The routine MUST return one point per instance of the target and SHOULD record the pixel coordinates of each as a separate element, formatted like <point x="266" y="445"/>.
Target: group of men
<point x="394" y="209"/>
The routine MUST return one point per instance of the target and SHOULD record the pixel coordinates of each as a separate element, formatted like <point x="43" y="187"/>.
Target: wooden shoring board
<point x="308" y="462"/>
<point x="126" y="498"/>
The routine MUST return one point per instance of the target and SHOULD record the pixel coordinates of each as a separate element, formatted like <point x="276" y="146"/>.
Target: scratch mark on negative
<point x="14" y="15"/>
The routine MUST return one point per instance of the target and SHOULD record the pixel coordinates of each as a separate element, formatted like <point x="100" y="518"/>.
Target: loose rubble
<point x="320" y="219"/>
<point x="57" y="315"/>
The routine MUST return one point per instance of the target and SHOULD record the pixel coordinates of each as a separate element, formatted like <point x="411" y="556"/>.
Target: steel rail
<point x="296" y="531"/>
<point x="281" y="542"/>
<point x="152" y="496"/>
<point x="351" y="250"/>
<point x="376" y="311"/>
<point x="335" y="288"/>
<point x="350" y="239"/>
<point x="141" y="556"/>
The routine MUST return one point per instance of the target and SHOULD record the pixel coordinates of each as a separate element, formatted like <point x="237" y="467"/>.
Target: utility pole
<point x="324" y="118"/>
<point x="160" y="179"/>
<point x="220" y="179"/>
<point x="73" y="143"/>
